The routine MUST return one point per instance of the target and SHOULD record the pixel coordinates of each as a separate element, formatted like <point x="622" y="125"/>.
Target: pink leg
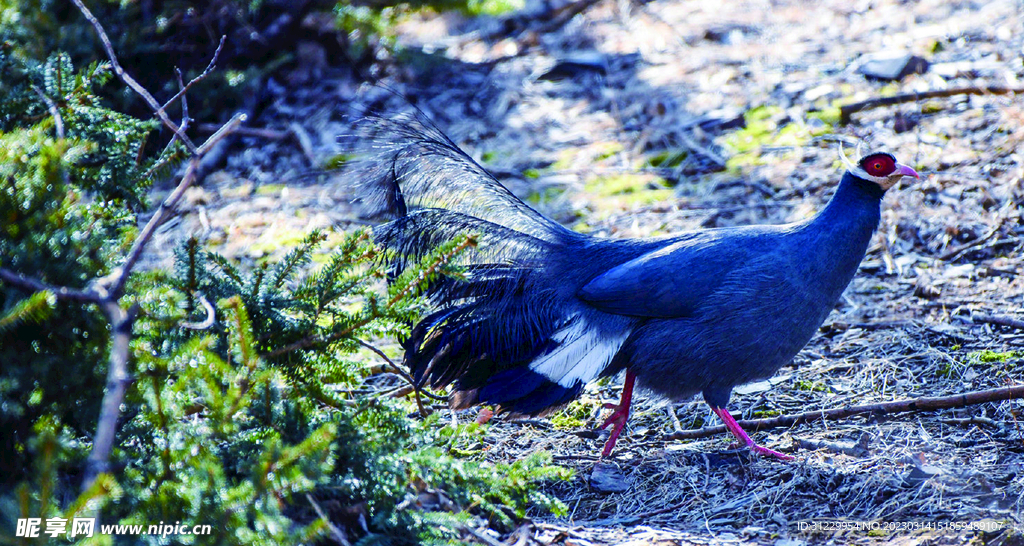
<point x="620" y="415"/>
<point x="745" y="440"/>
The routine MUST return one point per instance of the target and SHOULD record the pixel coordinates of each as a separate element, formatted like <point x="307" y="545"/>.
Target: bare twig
<point x="954" y="253"/>
<point x="61" y="292"/>
<point x="845" y="112"/>
<point x="119" y="277"/>
<point x="58" y="122"/>
<point x="402" y="373"/>
<point x="206" y="72"/>
<point x="971" y="422"/>
<point x="305" y="142"/>
<point x="391" y="364"/>
<point x="898" y="406"/>
<point x="1000" y="320"/>
<point x="130" y="81"/>
<point x="185" y="119"/>
<point x="106" y="291"/>
<point x="336" y="533"/>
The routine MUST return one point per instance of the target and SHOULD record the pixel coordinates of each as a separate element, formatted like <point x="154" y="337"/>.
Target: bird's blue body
<point x="731" y="306"/>
<point x="544" y="310"/>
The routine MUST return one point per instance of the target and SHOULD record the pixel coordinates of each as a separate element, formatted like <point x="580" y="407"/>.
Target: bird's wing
<point x="676" y="280"/>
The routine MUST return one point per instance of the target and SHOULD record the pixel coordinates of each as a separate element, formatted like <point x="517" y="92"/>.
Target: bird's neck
<point x="841" y="233"/>
<point x="854" y="209"/>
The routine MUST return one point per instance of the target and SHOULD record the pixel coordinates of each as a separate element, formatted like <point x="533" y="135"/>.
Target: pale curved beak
<point x="904" y="170"/>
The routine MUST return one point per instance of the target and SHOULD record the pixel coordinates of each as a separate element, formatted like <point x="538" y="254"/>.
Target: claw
<point x="620" y="414"/>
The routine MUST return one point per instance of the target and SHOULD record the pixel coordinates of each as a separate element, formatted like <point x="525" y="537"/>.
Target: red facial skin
<point x="878" y="164"/>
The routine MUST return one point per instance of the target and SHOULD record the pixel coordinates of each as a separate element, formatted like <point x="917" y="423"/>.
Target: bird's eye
<point x="879" y="165"/>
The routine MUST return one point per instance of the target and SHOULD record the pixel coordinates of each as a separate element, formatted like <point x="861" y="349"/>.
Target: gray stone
<point x="890" y="66"/>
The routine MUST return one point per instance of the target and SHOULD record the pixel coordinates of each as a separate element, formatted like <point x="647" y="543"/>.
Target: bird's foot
<point x="620" y="414"/>
<point x="764" y="451"/>
<point x="744" y="440"/>
<point x="619" y="417"/>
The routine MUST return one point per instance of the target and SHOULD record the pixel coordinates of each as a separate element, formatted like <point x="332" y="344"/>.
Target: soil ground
<point x="639" y="119"/>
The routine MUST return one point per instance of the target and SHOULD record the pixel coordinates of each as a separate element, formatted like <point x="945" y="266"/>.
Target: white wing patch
<point x="582" y="353"/>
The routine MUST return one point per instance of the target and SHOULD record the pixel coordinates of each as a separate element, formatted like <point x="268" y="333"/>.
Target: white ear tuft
<point x="850" y="166"/>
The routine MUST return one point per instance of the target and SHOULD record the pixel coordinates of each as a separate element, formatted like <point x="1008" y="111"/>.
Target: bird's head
<point x="878" y="167"/>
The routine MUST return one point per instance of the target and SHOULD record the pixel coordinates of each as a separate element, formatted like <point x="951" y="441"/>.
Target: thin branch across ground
<point x="1015" y="392"/>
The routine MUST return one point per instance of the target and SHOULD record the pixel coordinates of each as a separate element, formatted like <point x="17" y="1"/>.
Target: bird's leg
<point x="745" y="440"/>
<point x="620" y="415"/>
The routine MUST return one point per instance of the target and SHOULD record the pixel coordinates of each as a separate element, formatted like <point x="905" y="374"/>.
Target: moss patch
<point x="575" y="415"/>
<point x="765" y="128"/>
<point x="988" y="357"/>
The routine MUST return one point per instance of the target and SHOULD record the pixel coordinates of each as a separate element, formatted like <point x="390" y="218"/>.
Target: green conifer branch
<point x="35" y="308"/>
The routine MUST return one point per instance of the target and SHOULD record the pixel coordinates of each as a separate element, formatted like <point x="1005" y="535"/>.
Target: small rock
<point x="607" y="478"/>
<point x="889" y="66"/>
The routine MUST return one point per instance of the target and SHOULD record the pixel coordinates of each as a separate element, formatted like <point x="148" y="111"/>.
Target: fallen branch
<point x="480" y="537"/>
<point x="883" y="408"/>
<point x="839" y="326"/>
<point x="855" y="450"/>
<point x="1000" y="320"/>
<point x="954" y="253"/>
<point x="845" y="112"/>
<point x="550" y="21"/>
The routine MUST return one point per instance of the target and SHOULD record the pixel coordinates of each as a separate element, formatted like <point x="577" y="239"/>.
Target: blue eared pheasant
<point x="541" y="310"/>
